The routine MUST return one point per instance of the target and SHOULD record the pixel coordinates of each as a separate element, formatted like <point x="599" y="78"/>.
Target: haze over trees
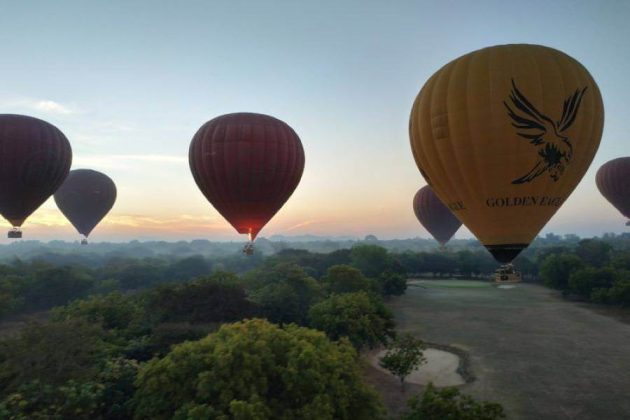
<point x="122" y="324"/>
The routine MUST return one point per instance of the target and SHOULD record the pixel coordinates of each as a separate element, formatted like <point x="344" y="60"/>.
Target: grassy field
<point x="538" y="355"/>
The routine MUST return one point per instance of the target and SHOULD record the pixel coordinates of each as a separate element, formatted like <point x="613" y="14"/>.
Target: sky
<point x="130" y="82"/>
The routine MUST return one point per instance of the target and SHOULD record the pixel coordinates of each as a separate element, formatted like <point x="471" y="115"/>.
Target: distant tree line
<point x="591" y="270"/>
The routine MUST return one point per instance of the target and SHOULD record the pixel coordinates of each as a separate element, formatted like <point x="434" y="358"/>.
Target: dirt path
<point x="538" y="355"/>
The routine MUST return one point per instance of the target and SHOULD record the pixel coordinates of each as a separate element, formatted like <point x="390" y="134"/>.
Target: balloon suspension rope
<point x="248" y="249"/>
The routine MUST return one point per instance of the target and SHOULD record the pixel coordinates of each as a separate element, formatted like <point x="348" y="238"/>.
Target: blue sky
<point x="129" y="83"/>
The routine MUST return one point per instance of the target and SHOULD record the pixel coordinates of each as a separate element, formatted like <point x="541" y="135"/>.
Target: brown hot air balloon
<point x="85" y="197"/>
<point x="503" y="135"/>
<point x="35" y="158"/>
<point x="434" y="215"/>
<point x="247" y="166"/>
<point x="613" y="181"/>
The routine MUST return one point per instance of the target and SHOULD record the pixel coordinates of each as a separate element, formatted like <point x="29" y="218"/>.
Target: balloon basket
<point x="506" y="274"/>
<point x="14" y="233"/>
<point x="628" y="223"/>
<point x="84" y="241"/>
<point x="248" y="249"/>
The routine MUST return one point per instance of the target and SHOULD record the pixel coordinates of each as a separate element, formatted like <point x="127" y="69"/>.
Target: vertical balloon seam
<point x="437" y="167"/>
<point x="460" y="161"/>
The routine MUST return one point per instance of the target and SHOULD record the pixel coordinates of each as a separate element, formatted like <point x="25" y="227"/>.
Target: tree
<point x="215" y="298"/>
<point x="346" y="279"/>
<point x="556" y="269"/>
<point x="284" y="292"/>
<point x="392" y="284"/>
<point x="189" y="268"/>
<point x="372" y="260"/>
<point x="448" y="403"/>
<point x="10" y="299"/>
<point x="403" y="357"/>
<point x="594" y="252"/>
<point x="619" y="293"/>
<point x="113" y="311"/>
<point x="256" y="370"/>
<point x="362" y="318"/>
<point x="53" y="286"/>
<point x="439" y="264"/>
<point x="54" y="352"/>
<point x="105" y="397"/>
<point x="584" y="281"/>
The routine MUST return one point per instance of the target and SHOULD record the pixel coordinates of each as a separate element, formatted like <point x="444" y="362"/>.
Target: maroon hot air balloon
<point x="85" y="197"/>
<point x="35" y="158"/>
<point x="247" y="165"/>
<point x="613" y="181"/>
<point x="434" y="215"/>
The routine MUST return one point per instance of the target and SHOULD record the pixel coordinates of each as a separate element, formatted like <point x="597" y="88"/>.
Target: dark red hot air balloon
<point x="85" y="197"/>
<point x="35" y="158"/>
<point x="434" y="215"/>
<point x="247" y="165"/>
<point x="613" y="181"/>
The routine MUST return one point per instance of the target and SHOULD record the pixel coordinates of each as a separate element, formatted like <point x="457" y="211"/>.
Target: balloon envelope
<point x="503" y="135"/>
<point x="613" y="181"/>
<point x="34" y="161"/>
<point x="85" y="197"/>
<point x="247" y="165"/>
<point x="434" y="215"/>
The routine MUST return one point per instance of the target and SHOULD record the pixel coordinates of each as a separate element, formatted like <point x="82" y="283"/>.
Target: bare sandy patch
<point x="440" y="368"/>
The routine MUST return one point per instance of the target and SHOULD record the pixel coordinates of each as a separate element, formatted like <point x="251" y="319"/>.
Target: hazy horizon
<point x="130" y="83"/>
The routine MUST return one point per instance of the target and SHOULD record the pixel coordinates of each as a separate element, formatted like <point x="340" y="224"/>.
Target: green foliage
<point x="165" y="335"/>
<point x="346" y="279"/>
<point x="582" y="282"/>
<point x="55" y="352"/>
<point x="403" y="357"/>
<point x="392" y="283"/>
<point x="284" y="292"/>
<point x="52" y="286"/>
<point x="216" y="298"/>
<point x="594" y="252"/>
<point x="10" y="299"/>
<point x="41" y="401"/>
<point x="113" y="311"/>
<point x="372" y="260"/>
<point x="620" y="260"/>
<point x="360" y="317"/>
<point x="313" y="263"/>
<point x="619" y="293"/>
<point x="107" y="396"/>
<point x="256" y="370"/>
<point x="189" y="268"/>
<point x="449" y="404"/>
<point x="556" y="269"/>
<point x="134" y="274"/>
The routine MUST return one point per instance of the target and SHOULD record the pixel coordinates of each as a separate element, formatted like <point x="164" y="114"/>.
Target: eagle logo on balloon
<point x="554" y="147"/>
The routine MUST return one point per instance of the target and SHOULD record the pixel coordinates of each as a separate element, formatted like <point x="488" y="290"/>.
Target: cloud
<point x="45" y="106"/>
<point x="302" y="224"/>
<point x="51" y="218"/>
<point x="52" y="107"/>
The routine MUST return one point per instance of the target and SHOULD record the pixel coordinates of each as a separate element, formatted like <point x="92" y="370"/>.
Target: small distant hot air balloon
<point x="247" y="166"/>
<point x="85" y="197"/>
<point x="503" y="135"/>
<point x="434" y="215"/>
<point x="613" y="181"/>
<point x="35" y="158"/>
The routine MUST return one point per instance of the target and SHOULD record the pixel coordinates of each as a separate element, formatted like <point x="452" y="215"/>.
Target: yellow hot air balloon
<point x="503" y="135"/>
